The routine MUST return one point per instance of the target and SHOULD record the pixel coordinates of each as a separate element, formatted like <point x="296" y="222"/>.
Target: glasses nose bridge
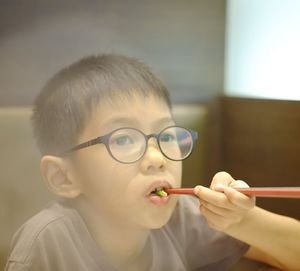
<point x="148" y="137"/>
<point x="156" y="142"/>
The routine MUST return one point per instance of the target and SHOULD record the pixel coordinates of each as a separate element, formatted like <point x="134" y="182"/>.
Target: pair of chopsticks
<point x="270" y="192"/>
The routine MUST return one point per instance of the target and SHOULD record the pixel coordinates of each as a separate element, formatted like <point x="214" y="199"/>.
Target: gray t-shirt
<point x="57" y="239"/>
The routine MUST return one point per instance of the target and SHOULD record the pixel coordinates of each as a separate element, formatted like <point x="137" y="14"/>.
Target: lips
<point x="156" y="186"/>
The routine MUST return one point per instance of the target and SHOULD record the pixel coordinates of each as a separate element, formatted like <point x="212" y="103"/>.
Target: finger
<point x="242" y="184"/>
<point x="239" y="199"/>
<point x="219" y="210"/>
<point x="216" y="198"/>
<point x="234" y="184"/>
<point x="214" y="220"/>
<point x="220" y="180"/>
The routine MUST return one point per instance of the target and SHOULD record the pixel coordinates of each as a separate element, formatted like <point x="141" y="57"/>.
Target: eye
<point x="167" y="137"/>
<point x="122" y="140"/>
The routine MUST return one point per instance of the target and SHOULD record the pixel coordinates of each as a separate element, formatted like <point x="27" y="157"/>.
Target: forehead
<point x="137" y="111"/>
<point x="137" y="101"/>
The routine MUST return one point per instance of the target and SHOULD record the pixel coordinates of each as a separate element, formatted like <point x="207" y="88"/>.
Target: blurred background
<point x="182" y="40"/>
<point x="232" y="68"/>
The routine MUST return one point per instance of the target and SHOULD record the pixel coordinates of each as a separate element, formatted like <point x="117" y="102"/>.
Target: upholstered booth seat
<point x="22" y="192"/>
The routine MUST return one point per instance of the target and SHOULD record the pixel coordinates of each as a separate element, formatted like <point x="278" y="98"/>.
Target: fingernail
<point x="219" y="187"/>
<point x="197" y="189"/>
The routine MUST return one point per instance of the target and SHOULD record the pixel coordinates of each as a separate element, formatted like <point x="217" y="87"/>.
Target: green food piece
<point x="161" y="193"/>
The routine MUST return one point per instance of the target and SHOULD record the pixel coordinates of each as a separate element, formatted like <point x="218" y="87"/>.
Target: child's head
<point x="66" y="102"/>
<point x="119" y="100"/>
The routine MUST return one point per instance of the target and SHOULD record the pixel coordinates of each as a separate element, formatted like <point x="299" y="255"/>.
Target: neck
<point x="125" y="246"/>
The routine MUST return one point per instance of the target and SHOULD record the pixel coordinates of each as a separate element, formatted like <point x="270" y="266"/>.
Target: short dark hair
<point x="67" y="100"/>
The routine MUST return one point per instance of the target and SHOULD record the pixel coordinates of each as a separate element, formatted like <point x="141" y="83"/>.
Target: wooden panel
<point x="259" y="142"/>
<point x="194" y="117"/>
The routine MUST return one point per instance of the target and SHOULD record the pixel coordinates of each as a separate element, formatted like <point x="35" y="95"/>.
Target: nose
<point x="153" y="158"/>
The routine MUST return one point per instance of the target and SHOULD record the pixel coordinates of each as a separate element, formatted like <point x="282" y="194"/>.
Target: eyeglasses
<point x="128" y="145"/>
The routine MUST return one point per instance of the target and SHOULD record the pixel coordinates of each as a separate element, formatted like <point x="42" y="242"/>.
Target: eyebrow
<point x="131" y="121"/>
<point x="164" y="121"/>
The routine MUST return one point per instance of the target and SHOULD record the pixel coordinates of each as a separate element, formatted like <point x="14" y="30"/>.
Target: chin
<point x="158" y="219"/>
<point x="158" y="224"/>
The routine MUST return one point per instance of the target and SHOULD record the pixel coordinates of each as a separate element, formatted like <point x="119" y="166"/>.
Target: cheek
<point x="175" y="169"/>
<point x="103" y="181"/>
<point x="95" y="172"/>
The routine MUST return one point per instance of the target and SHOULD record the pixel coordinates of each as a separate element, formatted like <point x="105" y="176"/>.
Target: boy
<point x="109" y="142"/>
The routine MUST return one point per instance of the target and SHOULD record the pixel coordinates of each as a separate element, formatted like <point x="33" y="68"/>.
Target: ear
<point x="58" y="176"/>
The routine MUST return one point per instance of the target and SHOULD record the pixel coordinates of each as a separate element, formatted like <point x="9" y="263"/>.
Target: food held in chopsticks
<point x="160" y="192"/>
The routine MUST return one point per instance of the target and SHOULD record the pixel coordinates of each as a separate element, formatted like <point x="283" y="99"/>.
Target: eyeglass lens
<point x="176" y="143"/>
<point x="128" y="145"/>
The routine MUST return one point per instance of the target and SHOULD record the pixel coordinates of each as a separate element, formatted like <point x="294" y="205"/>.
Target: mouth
<point x="158" y="187"/>
<point x="160" y="191"/>
<point x="157" y="192"/>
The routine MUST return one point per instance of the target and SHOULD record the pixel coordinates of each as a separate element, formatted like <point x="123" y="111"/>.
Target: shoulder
<point x="41" y="230"/>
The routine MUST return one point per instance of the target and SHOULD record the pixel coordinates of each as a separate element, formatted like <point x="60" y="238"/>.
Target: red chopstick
<point x="271" y="192"/>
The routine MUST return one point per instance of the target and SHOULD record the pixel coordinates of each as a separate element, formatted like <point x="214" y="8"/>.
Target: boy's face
<point x="120" y="192"/>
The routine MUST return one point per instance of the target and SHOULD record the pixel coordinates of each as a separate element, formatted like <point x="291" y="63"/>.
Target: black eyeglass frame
<point x="105" y="140"/>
